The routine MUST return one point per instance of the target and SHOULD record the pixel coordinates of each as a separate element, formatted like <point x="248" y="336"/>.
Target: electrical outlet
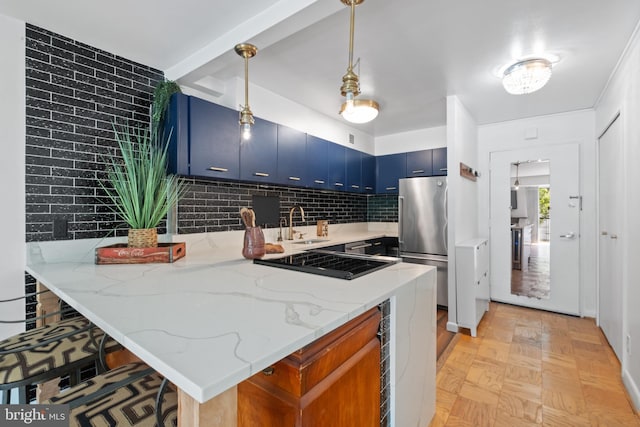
<point x="629" y="345"/>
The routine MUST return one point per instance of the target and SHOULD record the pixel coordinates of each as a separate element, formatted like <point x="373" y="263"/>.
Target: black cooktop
<point x="332" y="264"/>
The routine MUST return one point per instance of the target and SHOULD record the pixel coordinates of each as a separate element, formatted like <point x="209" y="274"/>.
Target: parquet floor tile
<point x="531" y="368"/>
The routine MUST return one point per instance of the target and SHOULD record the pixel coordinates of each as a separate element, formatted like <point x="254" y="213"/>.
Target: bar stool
<point x="130" y="395"/>
<point x="46" y="352"/>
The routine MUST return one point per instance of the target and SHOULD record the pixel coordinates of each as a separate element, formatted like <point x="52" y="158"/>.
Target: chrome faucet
<point x="280" y="233"/>
<point x="291" y="230"/>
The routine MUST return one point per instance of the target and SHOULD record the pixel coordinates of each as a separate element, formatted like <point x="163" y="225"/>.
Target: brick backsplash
<point x="74" y="94"/>
<point x="382" y="208"/>
<point x="215" y="205"/>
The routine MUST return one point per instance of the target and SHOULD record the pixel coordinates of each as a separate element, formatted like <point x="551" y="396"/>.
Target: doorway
<point x="562" y="247"/>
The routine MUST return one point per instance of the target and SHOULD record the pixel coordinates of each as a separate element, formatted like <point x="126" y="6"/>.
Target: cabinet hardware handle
<point x="339" y="184"/>
<point x="318" y="181"/>
<point x="418" y="171"/>
<point x="366" y="245"/>
<point x="294" y="178"/>
<point x="443" y="169"/>
<point x="355" y="186"/>
<point x="217" y="169"/>
<point x="368" y="188"/>
<point x="390" y="188"/>
<point x="377" y="243"/>
<point x="604" y="233"/>
<point x="268" y="371"/>
<point x="261" y="174"/>
<point x="614" y="236"/>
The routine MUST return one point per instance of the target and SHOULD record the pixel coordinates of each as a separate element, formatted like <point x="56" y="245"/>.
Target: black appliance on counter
<point x="331" y="264"/>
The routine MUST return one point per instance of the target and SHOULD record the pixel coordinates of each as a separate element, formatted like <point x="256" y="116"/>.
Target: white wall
<point x="275" y="108"/>
<point x="462" y="143"/>
<point x="12" y="172"/>
<point x="623" y="95"/>
<point x="415" y="140"/>
<point x="577" y="127"/>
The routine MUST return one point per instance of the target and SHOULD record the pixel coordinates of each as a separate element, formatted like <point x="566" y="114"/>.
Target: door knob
<point x="569" y="235"/>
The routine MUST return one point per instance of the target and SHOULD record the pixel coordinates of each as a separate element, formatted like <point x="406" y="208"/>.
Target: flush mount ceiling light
<point x="526" y="76"/>
<point x="247" y="51"/>
<point x="355" y="110"/>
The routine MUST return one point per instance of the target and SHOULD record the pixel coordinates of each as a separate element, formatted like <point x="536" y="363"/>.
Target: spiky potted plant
<point x="139" y="187"/>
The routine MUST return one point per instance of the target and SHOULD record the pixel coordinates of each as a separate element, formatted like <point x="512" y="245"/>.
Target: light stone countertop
<point x="212" y="319"/>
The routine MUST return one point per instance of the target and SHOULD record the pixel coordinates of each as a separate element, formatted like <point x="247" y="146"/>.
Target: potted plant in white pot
<point x="140" y="188"/>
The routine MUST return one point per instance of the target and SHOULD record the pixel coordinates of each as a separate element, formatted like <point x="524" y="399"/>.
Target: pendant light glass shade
<point x="247" y="51"/>
<point x="359" y="110"/>
<point x="526" y="76"/>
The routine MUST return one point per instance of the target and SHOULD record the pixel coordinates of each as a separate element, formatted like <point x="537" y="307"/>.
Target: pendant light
<point x="355" y="110"/>
<point x="246" y="51"/>
<point x="516" y="184"/>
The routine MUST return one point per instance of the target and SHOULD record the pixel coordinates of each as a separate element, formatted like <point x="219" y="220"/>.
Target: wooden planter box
<point x="121" y="254"/>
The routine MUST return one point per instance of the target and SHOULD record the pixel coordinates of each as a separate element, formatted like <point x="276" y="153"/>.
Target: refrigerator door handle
<point x="400" y="233"/>
<point x="445" y="227"/>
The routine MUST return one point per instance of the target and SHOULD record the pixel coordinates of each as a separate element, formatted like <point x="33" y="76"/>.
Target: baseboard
<point x="632" y="389"/>
<point x="452" y="327"/>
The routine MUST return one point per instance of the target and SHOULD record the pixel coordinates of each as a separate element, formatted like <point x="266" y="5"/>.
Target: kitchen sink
<point x="309" y="241"/>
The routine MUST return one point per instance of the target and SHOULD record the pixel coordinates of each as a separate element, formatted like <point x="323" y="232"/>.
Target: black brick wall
<point x="382" y="208"/>
<point x="74" y="94"/>
<point x="215" y="205"/>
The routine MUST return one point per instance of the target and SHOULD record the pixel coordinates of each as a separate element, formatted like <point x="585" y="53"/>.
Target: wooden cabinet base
<point x="335" y="382"/>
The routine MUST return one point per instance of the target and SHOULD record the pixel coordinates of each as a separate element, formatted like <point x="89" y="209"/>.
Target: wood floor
<point x="531" y="368"/>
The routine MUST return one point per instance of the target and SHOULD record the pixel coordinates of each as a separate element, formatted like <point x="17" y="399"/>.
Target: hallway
<point x="531" y="368"/>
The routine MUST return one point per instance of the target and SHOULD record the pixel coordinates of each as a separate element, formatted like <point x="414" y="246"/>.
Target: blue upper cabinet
<point x="317" y="162"/>
<point x="292" y="157"/>
<point x="354" y="170"/>
<point x="337" y="167"/>
<point x="214" y="140"/>
<point x="440" y="161"/>
<point x="368" y="173"/>
<point x="259" y="154"/>
<point x="177" y="131"/>
<point x="390" y="169"/>
<point x="419" y="163"/>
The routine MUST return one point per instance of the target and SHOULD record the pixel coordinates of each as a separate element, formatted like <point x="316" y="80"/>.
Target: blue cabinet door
<point x="214" y="140"/>
<point x="176" y="131"/>
<point x="368" y="173"/>
<point x="440" y="161"/>
<point x="390" y="169"/>
<point x="353" y="160"/>
<point x="259" y="154"/>
<point x="292" y="157"/>
<point x="317" y="162"/>
<point x="337" y="167"/>
<point x="419" y="163"/>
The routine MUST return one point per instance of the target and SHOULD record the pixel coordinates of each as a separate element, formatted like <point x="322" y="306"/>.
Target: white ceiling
<point x="413" y="53"/>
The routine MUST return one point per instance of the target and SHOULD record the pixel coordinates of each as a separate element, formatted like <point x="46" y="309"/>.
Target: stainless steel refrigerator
<point x="423" y="228"/>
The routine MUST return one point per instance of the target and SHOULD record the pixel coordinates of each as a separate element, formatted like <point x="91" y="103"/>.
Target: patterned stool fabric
<point x="49" y="351"/>
<point x="130" y="398"/>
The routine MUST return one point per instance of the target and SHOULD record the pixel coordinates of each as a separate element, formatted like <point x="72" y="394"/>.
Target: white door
<point x="610" y="183"/>
<point x="564" y="295"/>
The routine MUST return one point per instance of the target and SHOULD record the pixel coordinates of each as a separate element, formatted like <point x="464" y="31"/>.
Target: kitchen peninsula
<point x="213" y="319"/>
